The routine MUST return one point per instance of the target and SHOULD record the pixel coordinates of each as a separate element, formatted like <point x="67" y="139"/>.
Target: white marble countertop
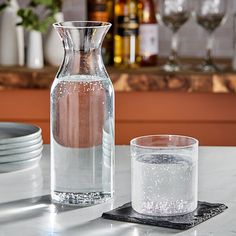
<point x="25" y="207"/>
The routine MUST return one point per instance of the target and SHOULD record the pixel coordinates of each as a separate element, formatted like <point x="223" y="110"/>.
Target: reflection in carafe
<point x="80" y="109"/>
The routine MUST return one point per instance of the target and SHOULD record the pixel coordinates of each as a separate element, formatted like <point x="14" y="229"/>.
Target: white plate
<point x="19" y="165"/>
<point x="20" y="144"/>
<point x="22" y="156"/>
<point x="21" y="150"/>
<point x="16" y="132"/>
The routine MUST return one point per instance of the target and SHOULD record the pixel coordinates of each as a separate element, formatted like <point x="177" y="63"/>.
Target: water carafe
<point x="82" y="118"/>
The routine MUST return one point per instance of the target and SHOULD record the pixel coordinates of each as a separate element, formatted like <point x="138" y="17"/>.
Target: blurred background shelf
<point x="148" y="101"/>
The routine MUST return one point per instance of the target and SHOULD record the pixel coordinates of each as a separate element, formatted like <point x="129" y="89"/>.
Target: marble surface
<point x="25" y="207"/>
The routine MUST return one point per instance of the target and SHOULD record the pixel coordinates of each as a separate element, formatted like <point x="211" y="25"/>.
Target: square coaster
<point x="204" y="211"/>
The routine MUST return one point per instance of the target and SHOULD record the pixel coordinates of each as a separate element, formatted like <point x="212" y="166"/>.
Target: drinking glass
<point x="174" y="13"/>
<point x="164" y="174"/>
<point x="210" y="14"/>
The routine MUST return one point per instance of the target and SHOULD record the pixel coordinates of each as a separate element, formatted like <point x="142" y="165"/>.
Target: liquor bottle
<point x="126" y="33"/>
<point x="103" y="10"/>
<point x="148" y="33"/>
<point x="97" y="10"/>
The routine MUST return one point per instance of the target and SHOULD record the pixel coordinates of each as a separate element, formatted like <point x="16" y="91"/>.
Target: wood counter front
<point x="210" y="117"/>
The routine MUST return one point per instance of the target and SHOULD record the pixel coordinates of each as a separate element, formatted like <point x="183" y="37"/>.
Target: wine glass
<point x="210" y="14"/>
<point x="174" y="13"/>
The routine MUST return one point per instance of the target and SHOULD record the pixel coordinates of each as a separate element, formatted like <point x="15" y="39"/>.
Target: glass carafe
<point x="82" y="118"/>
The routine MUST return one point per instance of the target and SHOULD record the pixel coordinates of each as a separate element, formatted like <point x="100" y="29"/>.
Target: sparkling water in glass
<point x="164" y="174"/>
<point x="82" y="118"/>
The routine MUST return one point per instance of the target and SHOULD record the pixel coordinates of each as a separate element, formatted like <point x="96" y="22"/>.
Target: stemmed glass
<point x="174" y="13"/>
<point x="210" y="14"/>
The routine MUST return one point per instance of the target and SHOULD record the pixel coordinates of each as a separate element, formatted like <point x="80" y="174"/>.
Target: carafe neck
<point x="83" y="63"/>
<point x="82" y="48"/>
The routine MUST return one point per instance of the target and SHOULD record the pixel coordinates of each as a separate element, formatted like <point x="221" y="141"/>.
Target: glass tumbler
<point x="164" y="174"/>
<point x="82" y="118"/>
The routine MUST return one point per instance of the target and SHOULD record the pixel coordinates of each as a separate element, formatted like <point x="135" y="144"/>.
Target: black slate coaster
<point x="203" y="212"/>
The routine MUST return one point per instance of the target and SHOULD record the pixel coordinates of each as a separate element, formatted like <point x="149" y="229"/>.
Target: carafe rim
<point x="82" y="24"/>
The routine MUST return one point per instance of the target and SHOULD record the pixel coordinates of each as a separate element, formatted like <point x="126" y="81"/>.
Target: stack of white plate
<point x="21" y="146"/>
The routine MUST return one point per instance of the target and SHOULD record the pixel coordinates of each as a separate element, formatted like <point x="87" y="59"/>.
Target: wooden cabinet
<point x="210" y="117"/>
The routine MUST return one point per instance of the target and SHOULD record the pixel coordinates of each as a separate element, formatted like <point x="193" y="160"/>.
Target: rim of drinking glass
<point x="195" y="141"/>
<point x="100" y="24"/>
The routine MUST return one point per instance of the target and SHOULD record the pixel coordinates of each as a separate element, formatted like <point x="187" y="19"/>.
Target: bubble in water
<point x="82" y="140"/>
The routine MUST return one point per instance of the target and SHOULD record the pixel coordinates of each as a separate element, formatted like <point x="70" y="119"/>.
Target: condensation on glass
<point x="164" y="174"/>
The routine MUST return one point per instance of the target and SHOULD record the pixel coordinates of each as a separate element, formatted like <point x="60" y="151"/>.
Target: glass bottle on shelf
<point x="126" y="33"/>
<point x="148" y="33"/>
<point x="103" y="10"/>
<point x="82" y="118"/>
<point x="97" y="10"/>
